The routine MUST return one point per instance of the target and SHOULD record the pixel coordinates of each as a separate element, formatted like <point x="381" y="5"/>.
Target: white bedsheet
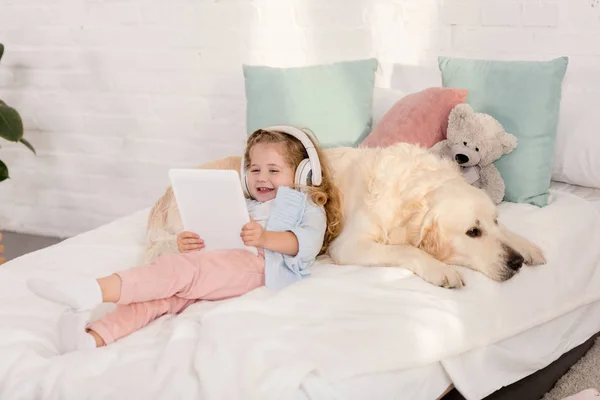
<point x="154" y="363"/>
<point x="480" y="372"/>
<point x="346" y="322"/>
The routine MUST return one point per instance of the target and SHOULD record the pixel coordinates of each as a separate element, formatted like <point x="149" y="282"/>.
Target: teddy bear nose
<point x="461" y="158"/>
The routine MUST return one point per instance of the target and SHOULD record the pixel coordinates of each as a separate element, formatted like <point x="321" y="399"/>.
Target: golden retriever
<point x="403" y="207"/>
<point x="406" y="207"/>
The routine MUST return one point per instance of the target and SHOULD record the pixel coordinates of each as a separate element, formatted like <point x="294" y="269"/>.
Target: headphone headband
<point x="301" y="170"/>
<point x="302" y="136"/>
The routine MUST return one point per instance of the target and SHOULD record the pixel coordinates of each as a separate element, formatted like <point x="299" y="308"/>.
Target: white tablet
<point x="211" y="204"/>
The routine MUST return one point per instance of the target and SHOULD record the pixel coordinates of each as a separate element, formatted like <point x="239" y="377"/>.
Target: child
<point x="289" y="227"/>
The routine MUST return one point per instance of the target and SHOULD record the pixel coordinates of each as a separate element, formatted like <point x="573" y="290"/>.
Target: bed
<point x="348" y="332"/>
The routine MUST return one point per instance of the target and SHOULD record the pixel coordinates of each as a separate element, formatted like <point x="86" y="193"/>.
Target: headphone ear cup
<point x="245" y="184"/>
<point x="303" y="173"/>
<point x="244" y="179"/>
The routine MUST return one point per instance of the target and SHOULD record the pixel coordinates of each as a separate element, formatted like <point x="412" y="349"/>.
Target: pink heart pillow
<point x="418" y="118"/>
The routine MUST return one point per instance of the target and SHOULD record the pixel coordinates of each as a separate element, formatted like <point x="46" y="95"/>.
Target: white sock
<point x="71" y="332"/>
<point x="80" y="294"/>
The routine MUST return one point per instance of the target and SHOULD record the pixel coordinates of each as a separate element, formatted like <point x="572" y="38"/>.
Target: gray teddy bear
<point x="475" y="141"/>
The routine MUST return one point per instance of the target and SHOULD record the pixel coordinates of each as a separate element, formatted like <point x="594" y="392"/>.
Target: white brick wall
<point x="114" y="93"/>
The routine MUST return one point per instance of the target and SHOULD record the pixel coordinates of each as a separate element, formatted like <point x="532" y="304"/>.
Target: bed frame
<point x="536" y="385"/>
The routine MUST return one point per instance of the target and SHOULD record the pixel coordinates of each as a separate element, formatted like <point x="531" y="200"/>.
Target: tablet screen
<point x="212" y="204"/>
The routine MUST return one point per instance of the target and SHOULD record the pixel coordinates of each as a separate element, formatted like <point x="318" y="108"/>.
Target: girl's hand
<point x="189" y="241"/>
<point x="253" y="234"/>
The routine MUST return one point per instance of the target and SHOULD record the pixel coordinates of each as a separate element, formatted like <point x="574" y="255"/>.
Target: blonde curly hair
<point x="327" y="194"/>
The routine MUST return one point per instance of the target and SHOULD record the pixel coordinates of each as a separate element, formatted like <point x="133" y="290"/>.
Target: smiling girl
<point x="295" y="212"/>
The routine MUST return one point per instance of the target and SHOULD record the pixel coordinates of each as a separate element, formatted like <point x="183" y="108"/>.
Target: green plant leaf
<point x="11" y="126"/>
<point x="3" y="171"/>
<point x="1" y="50"/>
<point x="29" y="146"/>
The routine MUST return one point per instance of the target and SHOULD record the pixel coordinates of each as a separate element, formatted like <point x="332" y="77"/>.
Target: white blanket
<point x="340" y="323"/>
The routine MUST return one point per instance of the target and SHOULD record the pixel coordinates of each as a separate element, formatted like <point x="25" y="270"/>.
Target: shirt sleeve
<point x="310" y="234"/>
<point x="295" y="212"/>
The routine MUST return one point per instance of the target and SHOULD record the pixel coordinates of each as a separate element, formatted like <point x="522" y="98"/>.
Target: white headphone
<point x="308" y="171"/>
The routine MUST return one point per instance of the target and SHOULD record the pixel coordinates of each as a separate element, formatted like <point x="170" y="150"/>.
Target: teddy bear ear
<point x="461" y="111"/>
<point x="508" y="141"/>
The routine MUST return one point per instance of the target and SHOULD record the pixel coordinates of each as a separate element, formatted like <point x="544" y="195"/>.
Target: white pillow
<point x="577" y="155"/>
<point x="383" y="100"/>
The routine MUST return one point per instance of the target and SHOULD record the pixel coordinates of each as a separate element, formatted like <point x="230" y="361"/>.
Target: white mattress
<point x="167" y="359"/>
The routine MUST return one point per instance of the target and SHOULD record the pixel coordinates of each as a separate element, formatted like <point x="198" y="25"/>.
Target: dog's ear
<point x="431" y="238"/>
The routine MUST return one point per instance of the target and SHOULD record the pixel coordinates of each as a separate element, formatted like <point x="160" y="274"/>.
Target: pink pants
<point x="173" y="282"/>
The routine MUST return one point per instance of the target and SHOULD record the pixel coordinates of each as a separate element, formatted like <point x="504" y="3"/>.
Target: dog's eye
<point x="496" y="221"/>
<point x="465" y="143"/>
<point x="476" y="148"/>
<point x="474" y="232"/>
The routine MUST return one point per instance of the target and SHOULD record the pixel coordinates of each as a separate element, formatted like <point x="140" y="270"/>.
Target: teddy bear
<point x="475" y="140"/>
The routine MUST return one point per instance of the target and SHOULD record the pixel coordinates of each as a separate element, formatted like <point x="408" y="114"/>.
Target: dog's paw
<point x="443" y="275"/>
<point x="534" y="256"/>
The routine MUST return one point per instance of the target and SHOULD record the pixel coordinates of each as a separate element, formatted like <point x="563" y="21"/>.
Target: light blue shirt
<point x="293" y="210"/>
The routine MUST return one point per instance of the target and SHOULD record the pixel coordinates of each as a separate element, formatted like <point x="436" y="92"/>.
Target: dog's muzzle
<point x="512" y="263"/>
<point x="512" y="259"/>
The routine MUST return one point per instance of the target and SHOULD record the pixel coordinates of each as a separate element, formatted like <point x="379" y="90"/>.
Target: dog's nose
<point x="461" y="158"/>
<point x="515" y="262"/>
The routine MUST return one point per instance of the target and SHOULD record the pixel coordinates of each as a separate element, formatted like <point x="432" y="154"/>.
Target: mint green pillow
<point x="524" y="96"/>
<point x="333" y="101"/>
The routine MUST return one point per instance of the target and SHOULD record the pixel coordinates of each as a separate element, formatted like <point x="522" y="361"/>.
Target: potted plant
<point x="11" y="128"/>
